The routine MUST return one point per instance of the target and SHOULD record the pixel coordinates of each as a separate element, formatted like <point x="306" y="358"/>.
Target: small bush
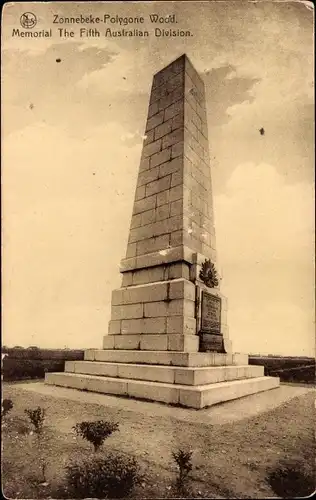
<point x="96" y="432"/>
<point x="290" y="480"/>
<point x="7" y="406"/>
<point x="183" y="460"/>
<point x="112" y="476"/>
<point x="37" y="417"/>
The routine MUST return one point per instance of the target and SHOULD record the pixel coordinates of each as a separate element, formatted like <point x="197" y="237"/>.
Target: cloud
<point x="225" y="89"/>
<point x="263" y="217"/>
<point x="265" y="242"/>
<point x="126" y="74"/>
<point x="66" y="210"/>
<point x="47" y="85"/>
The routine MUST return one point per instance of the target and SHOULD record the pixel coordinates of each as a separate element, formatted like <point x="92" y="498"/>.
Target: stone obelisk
<point x="172" y="225"/>
<point x="169" y="307"/>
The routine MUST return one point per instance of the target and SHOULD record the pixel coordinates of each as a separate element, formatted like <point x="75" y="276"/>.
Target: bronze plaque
<point x="211" y="314"/>
<point x="210" y="342"/>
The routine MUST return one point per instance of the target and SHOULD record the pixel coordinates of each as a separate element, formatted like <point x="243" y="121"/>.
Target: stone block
<point x="144" y="357"/>
<point x="154" y="309"/>
<point x="172" y="138"/>
<point x="182" y="289"/>
<point x="148" y="217"/>
<point x="162" y="212"/>
<point x="176" y="208"/>
<point x="160" y="357"/>
<point x="190" y="397"/>
<point x="239" y="359"/>
<point x="154" y="342"/>
<point x="145" y="204"/>
<point x="168" y="225"/>
<point x="94" y="368"/>
<point x="176" y="193"/>
<point x="67" y="380"/>
<point x="181" y="324"/>
<point x="226" y="391"/>
<point x="154" y="325"/>
<point x="140" y="193"/>
<point x="153" y="109"/>
<point x="131" y="326"/>
<point x="184" y="343"/>
<point x="179" y="270"/>
<point x="144" y="164"/>
<point x="208" y="359"/>
<point x="70" y="366"/>
<point x="108" y="341"/>
<point x="114" y="327"/>
<point x="214" y="375"/>
<point x="154" y="121"/>
<point x="158" y="185"/>
<point x="160" y="157"/>
<point x="228" y="345"/>
<point x="163" y="129"/>
<point x="176" y="238"/>
<point x="170" y="167"/>
<point x="177" y="150"/>
<point x="148" y="138"/>
<point x="155" y="392"/>
<point x="153" y="147"/>
<point x="144" y="325"/>
<point x="163" y="198"/>
<point x="152" y="258"/>
<point x="136" y="221"/>
<point x="147" y="176"/>
<point x="126" y="341"/>
<point x="131" y="249"/>
<point x="143" y="276"/>
<point x="174" y="109"/>
<point x="106" y="386"/>
<point x="181" y="307"/>
<point x="143" y="372"/>
<point x="117" y="297"/>
<point x="145" y="293"/>
<point x="176" y="179"/>
<point x="127" y="279"/>
<point x="178" y="121"/>
<point x="140" y="233"/>
<point x="89" y="355"/>
<point x="127" y="311"/>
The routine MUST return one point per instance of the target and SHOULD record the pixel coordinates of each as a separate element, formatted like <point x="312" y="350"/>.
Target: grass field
<point x="230" y="460"/>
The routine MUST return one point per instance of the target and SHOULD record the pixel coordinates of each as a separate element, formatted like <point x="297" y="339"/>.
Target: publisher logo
<point x="28" y="20"/>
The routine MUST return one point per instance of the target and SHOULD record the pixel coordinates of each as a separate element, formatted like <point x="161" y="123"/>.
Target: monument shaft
<point x="172" y="227"/>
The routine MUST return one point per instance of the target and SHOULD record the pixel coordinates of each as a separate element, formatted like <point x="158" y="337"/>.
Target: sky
<point x="71" y="144"/>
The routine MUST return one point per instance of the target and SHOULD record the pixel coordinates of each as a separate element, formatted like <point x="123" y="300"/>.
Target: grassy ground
<point x="230" y="461"/>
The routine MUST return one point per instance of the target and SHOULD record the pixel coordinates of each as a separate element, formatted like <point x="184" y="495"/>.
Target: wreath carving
<point x="208" y="274"/>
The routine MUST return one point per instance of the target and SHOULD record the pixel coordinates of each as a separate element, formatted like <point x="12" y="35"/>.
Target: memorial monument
<point x="168" y="338"/>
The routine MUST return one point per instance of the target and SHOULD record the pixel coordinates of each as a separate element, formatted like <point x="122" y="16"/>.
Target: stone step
<point x="199" y="396"/>
<point x="172" y="358"/>
<point x="167" y="374"/>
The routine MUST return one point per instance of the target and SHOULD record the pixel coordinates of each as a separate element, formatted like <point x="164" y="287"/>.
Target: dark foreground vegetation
<point x="57" y="448"/>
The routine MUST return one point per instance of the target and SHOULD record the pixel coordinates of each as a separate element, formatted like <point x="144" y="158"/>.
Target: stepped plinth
<point x="168" y="337"/>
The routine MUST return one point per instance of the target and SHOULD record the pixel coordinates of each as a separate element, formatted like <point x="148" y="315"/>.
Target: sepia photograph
<point x="158" y="249"/>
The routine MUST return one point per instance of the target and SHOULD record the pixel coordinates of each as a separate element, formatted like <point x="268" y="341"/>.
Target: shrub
<point x="7" y="406"/>
<point x="112" y="476"/>
<point x="290" y="480"/>
<point x="37" y="417"/>
<point x="183" y="460"/>
<point x="96" y="432"/>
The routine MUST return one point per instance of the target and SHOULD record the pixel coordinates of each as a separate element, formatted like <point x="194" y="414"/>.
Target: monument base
<point x="189" y="379"/>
